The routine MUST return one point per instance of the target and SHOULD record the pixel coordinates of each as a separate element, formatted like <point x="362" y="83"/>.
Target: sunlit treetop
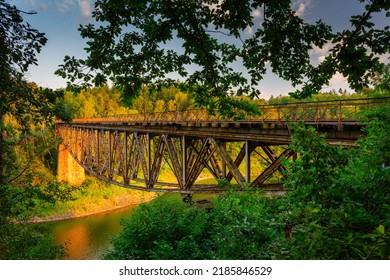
<point x="136" y="43"/>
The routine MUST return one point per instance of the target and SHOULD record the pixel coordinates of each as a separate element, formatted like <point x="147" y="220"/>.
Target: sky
<point x="59" y="20"/>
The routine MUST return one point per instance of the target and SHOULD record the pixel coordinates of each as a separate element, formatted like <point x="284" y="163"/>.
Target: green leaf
<point x="380" y="229"/>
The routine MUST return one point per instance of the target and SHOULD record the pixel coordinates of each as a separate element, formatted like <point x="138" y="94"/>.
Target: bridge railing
<point x="340" y="111"/>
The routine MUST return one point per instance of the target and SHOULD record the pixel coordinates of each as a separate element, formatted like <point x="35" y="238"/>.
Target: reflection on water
<point x="89" y="237"/>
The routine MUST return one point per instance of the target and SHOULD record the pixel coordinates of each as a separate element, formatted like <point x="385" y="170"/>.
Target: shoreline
<point x="37" y="220"/>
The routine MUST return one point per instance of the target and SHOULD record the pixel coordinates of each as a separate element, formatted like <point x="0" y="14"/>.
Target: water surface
<point x="89" y="237"/>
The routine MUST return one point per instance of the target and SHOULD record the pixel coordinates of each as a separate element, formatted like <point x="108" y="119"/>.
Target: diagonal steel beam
<point x="272" y="156"/>
<point x="202" y="156"/>
<point x="230" y="164"/>
<point x="177" y="169"/>
<point x="214" y="165"/>
<point x="156" y="165"/>
<point x="141" y="156"/>
<point x="240" y="157"/>
<point x="275" y="165"/>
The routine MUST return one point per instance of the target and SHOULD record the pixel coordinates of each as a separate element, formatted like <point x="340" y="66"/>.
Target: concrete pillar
<point x="68" y="169"/>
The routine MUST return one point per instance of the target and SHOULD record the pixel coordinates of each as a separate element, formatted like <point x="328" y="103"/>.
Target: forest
<point x="338" y="202"/>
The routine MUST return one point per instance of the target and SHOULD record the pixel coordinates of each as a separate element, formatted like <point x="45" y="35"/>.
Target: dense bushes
<point x="162" y="229"/>
<point x="238" y="227"/>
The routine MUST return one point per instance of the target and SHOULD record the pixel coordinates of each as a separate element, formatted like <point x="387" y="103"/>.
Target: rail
<point x="316" y="112"/>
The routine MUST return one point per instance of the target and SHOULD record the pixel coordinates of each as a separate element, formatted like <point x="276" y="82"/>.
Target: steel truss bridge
<point x="133" y="150"/>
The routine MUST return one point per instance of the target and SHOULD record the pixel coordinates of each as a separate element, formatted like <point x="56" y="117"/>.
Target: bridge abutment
<point x="68" y="169"/>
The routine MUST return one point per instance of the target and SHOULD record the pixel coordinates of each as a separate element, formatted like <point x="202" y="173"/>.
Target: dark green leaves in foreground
<point x="137" y="43"/>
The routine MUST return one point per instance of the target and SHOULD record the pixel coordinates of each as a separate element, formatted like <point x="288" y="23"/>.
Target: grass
<point x="95" y="196"/>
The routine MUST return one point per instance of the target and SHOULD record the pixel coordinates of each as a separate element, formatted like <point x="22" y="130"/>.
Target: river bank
<point x="75" y="216"/>
<point x="91" y="199"/>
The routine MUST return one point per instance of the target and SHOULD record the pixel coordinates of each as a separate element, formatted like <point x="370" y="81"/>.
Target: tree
<point x="27" y="105"/>
<point x="160" y="106"/>
<point x="339" y="200"/>
<point x="131" y="45"/>
<point x="143" y="103"/>
<point x="26" y="102"/>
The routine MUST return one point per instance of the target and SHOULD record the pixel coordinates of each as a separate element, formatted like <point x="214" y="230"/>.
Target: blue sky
<point x="59" y="20"/>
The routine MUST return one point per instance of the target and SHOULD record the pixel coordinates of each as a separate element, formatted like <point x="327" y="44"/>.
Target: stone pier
<point x="68" y="169"/>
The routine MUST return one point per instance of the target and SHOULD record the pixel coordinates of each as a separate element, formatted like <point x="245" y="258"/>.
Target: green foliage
<point x="162" y="229"/>
<point x="313" y="176"/>
<point x="238" y="227"/>
<point x="17" y="205"/>
<point x="339" y="204"/>
<point x="95" y="102"/>
<point x="137" y="44"/>
<point x="25" y="102"/>
<point x="19" y="45"/>
<point x="23" y="107"/>
<point x="163" y="99"/>
<point x="92" y="197"/>
<point x="27" y="242"/>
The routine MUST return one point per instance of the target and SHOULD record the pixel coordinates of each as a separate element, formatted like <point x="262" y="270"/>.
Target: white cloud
<point x="64" y="5"/>
<point x="301" y="7"/>
<point x="85" y="6"/>
<point x="41" y="6"/>
<point x="338" y="79"/>
<point x="256" y="13"/>
<point x="248" y="30"/>
<point x="318" y="54"/>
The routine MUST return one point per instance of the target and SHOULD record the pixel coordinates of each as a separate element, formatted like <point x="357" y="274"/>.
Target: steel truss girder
<point x="135" y="160"/>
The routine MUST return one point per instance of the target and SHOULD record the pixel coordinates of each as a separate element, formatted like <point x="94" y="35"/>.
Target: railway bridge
<point x="134" y="151"/>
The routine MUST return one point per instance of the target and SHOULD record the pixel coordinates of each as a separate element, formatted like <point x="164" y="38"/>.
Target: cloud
<point x="41" y="6"/>
<point x="248" y="30"/>
<point x="64" y="5"/>
<point x="85" y="6"/>
<point x="318" y="54"/>
<point x="256" y="13"/>
<point x="301" y="7"/>
<point x="338" y="81"/>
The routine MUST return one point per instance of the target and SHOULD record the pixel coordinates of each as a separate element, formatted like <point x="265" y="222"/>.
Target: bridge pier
<point x="68" y="169"/>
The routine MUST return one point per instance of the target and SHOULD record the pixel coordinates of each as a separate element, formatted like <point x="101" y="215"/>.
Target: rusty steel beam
<point x="202" y="156"/>
<point x="156" y="165"/>
<point x="275" y="165"/>
<point x="272" y="156"/>
<point x="177" y="169"/>
<point x="241" y="155"/>
<point x="230" y="164"/>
